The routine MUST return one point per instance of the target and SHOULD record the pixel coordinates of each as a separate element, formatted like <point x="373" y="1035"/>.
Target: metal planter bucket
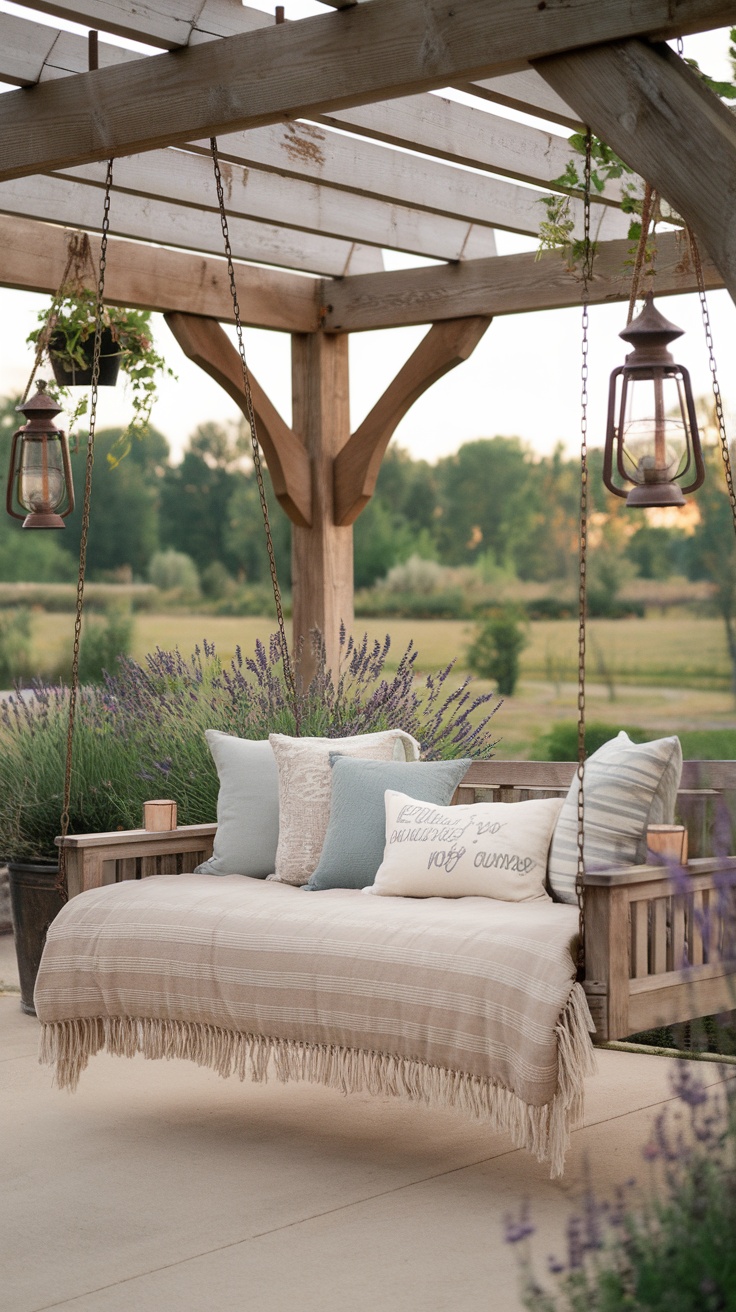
<point x="34" y="904"/>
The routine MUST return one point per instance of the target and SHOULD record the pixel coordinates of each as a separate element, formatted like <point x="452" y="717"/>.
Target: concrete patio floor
<point x="159" y="1186"/>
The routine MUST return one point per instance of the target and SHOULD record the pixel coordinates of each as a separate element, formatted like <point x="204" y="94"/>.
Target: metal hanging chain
<point x="78" y="253"/>
<point x="717" y="398"/>
<point x="74" y="685"/>
<point x="251" y="417"/>
<point x="583" y="557"/>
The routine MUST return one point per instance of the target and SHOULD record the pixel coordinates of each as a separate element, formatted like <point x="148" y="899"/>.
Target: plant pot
<point x="34" y="904"/>
<point x="69" y="374"/>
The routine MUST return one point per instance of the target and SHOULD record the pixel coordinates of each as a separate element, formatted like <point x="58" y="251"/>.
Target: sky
<point x="523" y="379"/>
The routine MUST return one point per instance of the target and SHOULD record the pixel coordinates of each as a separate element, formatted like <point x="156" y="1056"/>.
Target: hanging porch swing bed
<point x="456" y="1001"/>
<point x="467" y="977"/>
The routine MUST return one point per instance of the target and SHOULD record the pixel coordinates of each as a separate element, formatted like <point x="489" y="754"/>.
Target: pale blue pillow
<point x="356" y="832"/>
<point x="247" y="807"/>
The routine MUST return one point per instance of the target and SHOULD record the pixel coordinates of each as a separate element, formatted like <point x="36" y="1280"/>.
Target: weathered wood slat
<point x="183" y="177"/>
<point x="658" y="953"/>
<point x="639" y="940"/>
<point x="61" y="200"/>
<point x="694" y="913"/>
<point x="167" y="24"/>
<point x="461" y="134"/>
<point x="295" y="70"/>
<point x="676" y="959"/>
<point x="528" y="92"/>
<point x="313" y="151"/>
<point x="33" y="256"/>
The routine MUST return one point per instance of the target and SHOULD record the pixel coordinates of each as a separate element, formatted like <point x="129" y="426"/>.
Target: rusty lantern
<point x="652" y="438"/>
<point x="40" y="476"/>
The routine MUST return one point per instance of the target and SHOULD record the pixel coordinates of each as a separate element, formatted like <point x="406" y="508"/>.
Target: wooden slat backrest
<point x="707" y="793"/>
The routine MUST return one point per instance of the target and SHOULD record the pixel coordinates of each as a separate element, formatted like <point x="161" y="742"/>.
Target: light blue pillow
<point x="356" y="832"/>
<point x="247" y="807"/>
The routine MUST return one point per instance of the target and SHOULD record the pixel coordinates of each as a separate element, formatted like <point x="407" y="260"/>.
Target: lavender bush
<point x="674" y="1250"/>
<point x="141" y="734"/>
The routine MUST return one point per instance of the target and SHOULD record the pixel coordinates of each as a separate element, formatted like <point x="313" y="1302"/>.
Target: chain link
<point x="717" y="397"/>
<point x="251" y="417"/>
<point x="74" y="685"/>
<point x="583" y="557"/>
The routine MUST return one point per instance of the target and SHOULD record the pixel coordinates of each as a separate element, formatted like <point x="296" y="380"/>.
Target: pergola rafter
<point x="335" y="145"/>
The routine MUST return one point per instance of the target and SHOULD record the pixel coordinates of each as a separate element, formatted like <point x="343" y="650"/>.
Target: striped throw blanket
<point x="463" y="1002"/>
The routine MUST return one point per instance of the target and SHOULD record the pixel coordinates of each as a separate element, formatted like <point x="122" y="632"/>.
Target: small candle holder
<point x="159" y="815"/>
<point x="666" y="843"/>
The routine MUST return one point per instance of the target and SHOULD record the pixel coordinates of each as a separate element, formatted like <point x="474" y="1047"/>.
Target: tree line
<point x="494" y="504"/>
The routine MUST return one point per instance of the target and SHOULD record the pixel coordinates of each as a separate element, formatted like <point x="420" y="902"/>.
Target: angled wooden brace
<point x="659" y="116"/>
<point x="206" y="343"/>
<point x="357" y="465"/>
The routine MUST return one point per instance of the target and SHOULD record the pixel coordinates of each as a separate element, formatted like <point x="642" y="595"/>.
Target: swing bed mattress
<point x="465" y="1002"/>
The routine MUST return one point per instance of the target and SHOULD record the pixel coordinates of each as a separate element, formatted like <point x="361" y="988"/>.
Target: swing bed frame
<point x="656" y="952"/>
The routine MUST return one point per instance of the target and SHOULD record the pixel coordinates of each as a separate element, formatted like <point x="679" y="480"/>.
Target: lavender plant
<point x="141" y="734"/>
<point x="669" y="1251"/>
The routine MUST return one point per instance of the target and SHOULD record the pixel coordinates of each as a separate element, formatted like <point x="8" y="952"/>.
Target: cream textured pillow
<point x="487" y="849"/>
<point x="305" y="791"/>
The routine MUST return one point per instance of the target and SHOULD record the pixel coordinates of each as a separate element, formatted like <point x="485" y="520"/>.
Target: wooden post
<point x="322" y="556"/>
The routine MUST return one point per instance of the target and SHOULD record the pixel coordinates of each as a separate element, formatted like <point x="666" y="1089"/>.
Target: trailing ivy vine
<point x="557" y="227"/>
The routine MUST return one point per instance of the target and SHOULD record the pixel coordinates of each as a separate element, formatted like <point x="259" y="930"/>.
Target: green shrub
<point x="103" y="642"/>
<point x="561" y="743"/>
<point x="551" y="608"/>
<point x="173" y="571"/>
<point x="216" y="582"/>
<point x="448" y="604"/>
<point x="495" y="650"/>
<point x="15" y="647"/>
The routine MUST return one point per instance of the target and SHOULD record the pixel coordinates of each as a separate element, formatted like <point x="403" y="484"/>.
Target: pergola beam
<point x="368" y="52"/>
<point x="358" y="464"/>
<point x="207" y="344"/>
<point x="508" y="284"/>
<point x="33" y="256"/>
<point x="667" y="124"/>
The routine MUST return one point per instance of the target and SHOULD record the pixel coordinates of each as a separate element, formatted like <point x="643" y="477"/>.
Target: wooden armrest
<point x="652" y="874"/>
<point x="96" y="859"/>
<point x="135" y="839"/>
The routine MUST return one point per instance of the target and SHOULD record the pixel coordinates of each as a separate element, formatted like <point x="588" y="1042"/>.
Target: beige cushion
<point x="305" y="790"/>
<point x="487" y="849"/>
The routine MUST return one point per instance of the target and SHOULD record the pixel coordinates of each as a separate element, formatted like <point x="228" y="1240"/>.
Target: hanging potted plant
<point x="66" y="336"/>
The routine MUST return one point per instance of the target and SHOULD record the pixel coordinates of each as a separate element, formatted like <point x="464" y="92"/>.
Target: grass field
<point x="666" y="674"/>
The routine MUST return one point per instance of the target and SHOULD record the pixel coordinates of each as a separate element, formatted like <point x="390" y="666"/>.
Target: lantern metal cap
<point x="649" y="334"/>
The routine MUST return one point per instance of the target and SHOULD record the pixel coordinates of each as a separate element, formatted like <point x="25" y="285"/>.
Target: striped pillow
<point x="627" y="786"/>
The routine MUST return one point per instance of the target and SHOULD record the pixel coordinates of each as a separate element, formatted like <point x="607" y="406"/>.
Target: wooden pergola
<point x="333" y="149"/>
